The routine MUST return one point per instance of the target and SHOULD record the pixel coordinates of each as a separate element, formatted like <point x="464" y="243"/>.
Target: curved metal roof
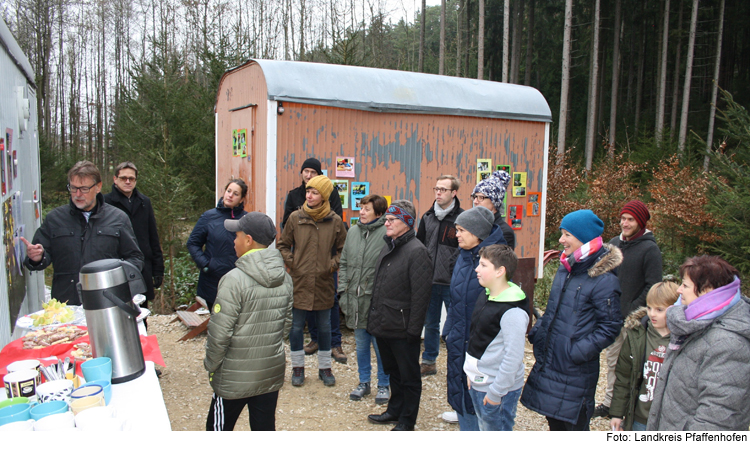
<point x="382" y="90"/>
<point x="15" y="53"/>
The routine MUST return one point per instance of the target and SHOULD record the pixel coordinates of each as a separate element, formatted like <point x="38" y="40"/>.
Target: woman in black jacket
<point x="212" y="246"/>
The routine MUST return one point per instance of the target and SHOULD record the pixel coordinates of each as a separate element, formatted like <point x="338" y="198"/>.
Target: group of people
<point x="680" y="362"/>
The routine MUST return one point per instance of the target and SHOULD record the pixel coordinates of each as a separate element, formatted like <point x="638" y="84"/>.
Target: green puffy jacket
<point x="357" y="270"/>
<point x="629" y="371"/>
<point x="251" y="315"/>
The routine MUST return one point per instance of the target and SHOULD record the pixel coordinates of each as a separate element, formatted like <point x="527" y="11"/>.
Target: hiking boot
<point x="362" y="389"/>
<point x="403" y="427"/>
<point x="601" y="411"/>
<point x="326" y="376"/>
<point x="298" y="376"/>
<point x="383" y="395"/>
<point x="428" y="369"/>
<point x="311" y="348"/>
<point x="338" y="354"/>
<point x="451" y="417"/>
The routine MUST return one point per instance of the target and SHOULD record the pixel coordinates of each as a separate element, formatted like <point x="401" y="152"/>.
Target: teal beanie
<point x="583" y="224"/>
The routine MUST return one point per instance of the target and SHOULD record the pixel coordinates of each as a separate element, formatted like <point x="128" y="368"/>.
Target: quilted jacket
<point x="357" y="270"/>
<point x="465" y="290"/>
<point x="252" y="315"/>
<point x="402" y="289"/>
<point x="439" y="237"/>
<point x="582" y="318"/>
<point x="212" y="247"/>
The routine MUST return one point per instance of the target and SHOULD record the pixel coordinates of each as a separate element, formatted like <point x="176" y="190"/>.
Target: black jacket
<point x="70" y="242"/>
<point x="138" y="208"/>
<point x="439" y="237"/>
<point x="640" y="269"/>
<point x="508" y="233"/>
<point x="296" y="197"/>
<point x="401" y="289"/>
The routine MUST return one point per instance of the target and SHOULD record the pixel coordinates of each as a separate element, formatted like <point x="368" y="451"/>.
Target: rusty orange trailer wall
<point x="401" y="155"/>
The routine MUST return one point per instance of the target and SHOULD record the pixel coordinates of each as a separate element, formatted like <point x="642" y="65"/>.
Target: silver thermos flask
<point x="106" y="289"/>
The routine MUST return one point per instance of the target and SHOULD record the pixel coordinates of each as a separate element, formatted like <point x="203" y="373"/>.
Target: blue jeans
<point x="440" y="294"/>
<point x="296" y="337"/>
<point x="335" y="320"/>
<point x="363" y="340"/>
<point x="467" y="422"/>
<point x="496" y="417"/>
<point x="638" y="427"/>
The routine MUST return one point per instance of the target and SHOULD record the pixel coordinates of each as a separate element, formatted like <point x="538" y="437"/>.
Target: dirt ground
<point x="187" y="394"/>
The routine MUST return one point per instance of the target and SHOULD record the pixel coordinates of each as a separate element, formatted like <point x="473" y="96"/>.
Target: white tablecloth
<point x="141" y="402"/>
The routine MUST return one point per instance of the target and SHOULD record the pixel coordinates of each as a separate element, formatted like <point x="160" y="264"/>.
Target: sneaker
<point x="383" y="395"/>
<point x="428" y="369"/>
<point x="298" y="376"/>
<point x="450" y="417"/>
<point x="362" y="389"/>
<point x="326" y="376"/>
<point x="338" y="354"/>
<point x="601" y="411"/>
<point x="311" y="348"/>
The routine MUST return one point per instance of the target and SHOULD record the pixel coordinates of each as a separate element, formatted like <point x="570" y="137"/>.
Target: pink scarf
<point x="581" y="253"/>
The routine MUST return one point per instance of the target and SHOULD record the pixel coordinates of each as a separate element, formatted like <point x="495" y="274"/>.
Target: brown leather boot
<point x="338" y="354"/>
<point x="311" y="348"/>
<point x="427" y="369"/>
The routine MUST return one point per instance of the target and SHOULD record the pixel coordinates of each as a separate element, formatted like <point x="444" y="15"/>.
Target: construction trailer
<point x="401" y="130"/>
<point x="21" y="292"/>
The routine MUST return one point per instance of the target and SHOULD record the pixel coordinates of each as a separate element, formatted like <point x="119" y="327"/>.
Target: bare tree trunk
<point x="676" y="80"/>
<point x="688" y="77"/>
<point x="615" y="78"/>
<point x="662" y="93"/>
<point x="422" y="28"/>
<point x="565" y="88"/>
<point x="462" y="4"/>
<point x="441" y="62"/>
<point x="529" y="44"/>
<point x="593" y="87"/>
<point x="506" y="38"/>
<point x="641" y="71"/>
<point x="467" y="54"/>
<point x="715" y="88"/>
<point x="480" y="42"/>
<point x="515" y="58"/>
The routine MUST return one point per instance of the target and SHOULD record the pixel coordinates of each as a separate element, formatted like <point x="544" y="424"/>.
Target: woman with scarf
<point x="311" y="245"/>
<point x="704" y="382"/>
<point x="582" y="318"/>
<point x="212" y="246"/>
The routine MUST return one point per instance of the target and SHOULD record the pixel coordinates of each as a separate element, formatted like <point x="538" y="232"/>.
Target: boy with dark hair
<point x="494" y="361"/>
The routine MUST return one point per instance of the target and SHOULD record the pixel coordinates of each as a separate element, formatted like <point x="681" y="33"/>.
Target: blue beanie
<point x="583" y="224"/>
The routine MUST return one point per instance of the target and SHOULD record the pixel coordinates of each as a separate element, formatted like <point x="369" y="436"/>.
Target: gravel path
<point x="187" y="394"/>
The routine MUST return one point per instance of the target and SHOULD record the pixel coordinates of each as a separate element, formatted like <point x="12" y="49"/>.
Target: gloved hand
<point x="157" y="281"/>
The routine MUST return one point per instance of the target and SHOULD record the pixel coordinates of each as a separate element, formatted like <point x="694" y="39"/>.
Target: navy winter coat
<point x="219" y="254"/>
<point x="582" y="318"/>
<point x="465" y="290"/>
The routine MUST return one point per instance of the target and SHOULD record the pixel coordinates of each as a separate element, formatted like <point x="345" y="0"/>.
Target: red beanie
<point x="638" y="210"/>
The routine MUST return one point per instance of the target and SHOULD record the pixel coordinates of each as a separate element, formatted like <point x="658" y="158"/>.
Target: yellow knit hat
<point x="321" y="183"/>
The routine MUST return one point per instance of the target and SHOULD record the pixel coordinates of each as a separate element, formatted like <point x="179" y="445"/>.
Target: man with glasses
<point x="137" y="206"/>
<point x="437" y="231"/>
<point x="489" y="193"/>
<point x="86" y="229"/>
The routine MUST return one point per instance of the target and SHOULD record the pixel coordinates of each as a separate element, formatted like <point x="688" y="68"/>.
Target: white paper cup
<point x="21" y="384"/>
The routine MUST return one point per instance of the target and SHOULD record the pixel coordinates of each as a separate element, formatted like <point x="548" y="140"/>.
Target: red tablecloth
<point x="14" y="351"/>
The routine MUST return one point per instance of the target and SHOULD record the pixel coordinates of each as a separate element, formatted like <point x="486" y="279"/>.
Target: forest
<point x="647" y="96"/>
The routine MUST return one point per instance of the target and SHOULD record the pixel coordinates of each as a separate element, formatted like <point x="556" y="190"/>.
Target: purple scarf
<point x="714" y="303"/>
<point x="581" y="253"/>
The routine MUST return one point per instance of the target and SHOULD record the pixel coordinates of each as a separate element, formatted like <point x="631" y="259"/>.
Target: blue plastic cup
<point x="97" y="369"/>
<point x="47" y="409"/>
<point x="15" y="413"/>
<point x="106" y="387"/>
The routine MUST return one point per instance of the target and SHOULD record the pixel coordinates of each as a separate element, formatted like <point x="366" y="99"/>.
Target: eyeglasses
<point x="390" y="221"/>
<point x="478" y="197"/>
<point x="440" y="190"/>
<point x="82" y="189"/>
<point x="127" y="179"/>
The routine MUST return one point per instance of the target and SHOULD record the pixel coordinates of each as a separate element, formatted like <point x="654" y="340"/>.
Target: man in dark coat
<point x="401" y="294"/>
<point x="641" y="268"/>
<point x="86" y="229"/>
<point x="294" y="200"/>
<point x="137" y="206"/>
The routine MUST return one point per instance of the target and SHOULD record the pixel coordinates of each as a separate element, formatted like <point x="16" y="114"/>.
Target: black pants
<point x="401" y="361"/>
<point x="223" y="413"/>
<point x="582" y="424"/>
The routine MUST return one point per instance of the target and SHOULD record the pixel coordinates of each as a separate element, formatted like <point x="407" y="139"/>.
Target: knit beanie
<point x="477" y="220"/>
<point x="494" y="188"/>
<point x="321" y="183"/>
<point x="312" y="163"/>
<point x="583" y="224"/>
<point x="638" y="210"/>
